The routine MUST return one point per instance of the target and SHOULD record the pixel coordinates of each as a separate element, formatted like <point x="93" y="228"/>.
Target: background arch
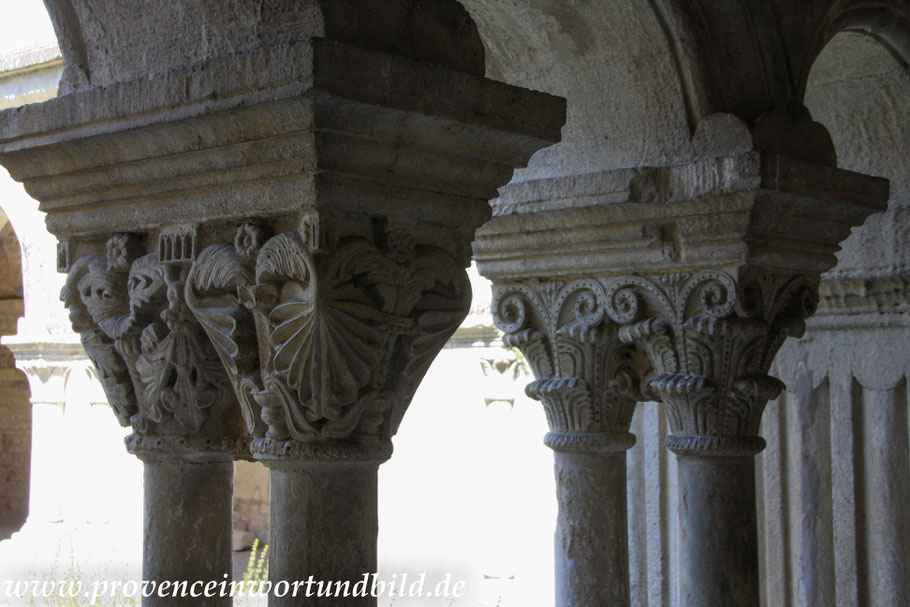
<point x="15" y="409"/>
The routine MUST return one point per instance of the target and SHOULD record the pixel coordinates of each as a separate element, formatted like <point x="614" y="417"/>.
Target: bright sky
<point x="25" y="23"/>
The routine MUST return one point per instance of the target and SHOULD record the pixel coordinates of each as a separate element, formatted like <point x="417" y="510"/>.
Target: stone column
<point x="705" y="282"/>
<point x="591" y="539"/>
<point x="287" y="222"/>
<point x="323" y="518"/>
<point x="187" y="517"/>
<point x="587" y="382"/>
<point x="718" y="534"/>
<point x="163" y="377"/>
<point x="710" y="368"/>
<point x="47" y="365"/>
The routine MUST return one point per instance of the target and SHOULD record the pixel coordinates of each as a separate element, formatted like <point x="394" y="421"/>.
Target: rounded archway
<point x="15" y="410"/>
<point x="834" y="487"/>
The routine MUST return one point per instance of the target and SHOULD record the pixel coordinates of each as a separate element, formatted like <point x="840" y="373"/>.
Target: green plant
<point x="257" y="572"/>
<point x="257" y="568"/>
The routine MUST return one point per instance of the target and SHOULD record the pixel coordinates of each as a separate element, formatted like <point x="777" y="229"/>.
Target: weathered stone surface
<point x="274" y="234"/>
<point x="108" y="42"/>
<point x="675" y="110"/>
<point x="722" y="260"/>
<point x="190" y="135"/>
<point x="187" y="531"/>
<point x="324" y="520"/>
<point x="751" y="208"/>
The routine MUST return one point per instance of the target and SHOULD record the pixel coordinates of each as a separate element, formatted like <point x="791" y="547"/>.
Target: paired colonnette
<point x="265" y="250"/>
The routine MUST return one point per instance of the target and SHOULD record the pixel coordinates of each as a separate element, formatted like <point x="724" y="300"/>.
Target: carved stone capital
<point x="711" y="337"/>
<point x="704" y="267"/>
<point x="47" y="365"/>
<point x="155" y="363"/>
<point x="701" y="343"/>
<point x="327" y="330"/>
<point x="587" y="379"/>
<point x="313" y="198"/>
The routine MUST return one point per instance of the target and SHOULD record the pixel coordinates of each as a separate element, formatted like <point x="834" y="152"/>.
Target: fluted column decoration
<point x="587" y="381"/>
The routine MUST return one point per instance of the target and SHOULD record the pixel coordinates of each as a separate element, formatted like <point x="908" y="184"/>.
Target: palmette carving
<point x="156" y="366"/>
<point x="346" y="328"/>
<point x="213" y="293"/>
<point x="176" y="367"/>
<point x="587" y="378"/>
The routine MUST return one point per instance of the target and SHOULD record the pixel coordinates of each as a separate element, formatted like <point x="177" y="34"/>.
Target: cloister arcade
<point x="693" y="214"/>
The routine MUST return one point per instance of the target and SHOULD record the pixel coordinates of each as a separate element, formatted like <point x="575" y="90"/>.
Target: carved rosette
<point x="345" y="327"/>
<point x="155" y="363"/>
<point x="711" y="339"/>
<point x="587" y="379"/>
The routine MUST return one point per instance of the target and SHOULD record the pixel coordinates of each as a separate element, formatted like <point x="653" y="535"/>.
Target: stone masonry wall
<point x="15" y="426"/>
<point x="251" y="499"/>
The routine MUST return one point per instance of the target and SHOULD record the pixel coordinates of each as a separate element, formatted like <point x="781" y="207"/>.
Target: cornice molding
<point x="755" y="208"/>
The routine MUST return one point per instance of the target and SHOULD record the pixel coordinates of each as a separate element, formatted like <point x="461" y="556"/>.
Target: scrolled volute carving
<point x="711" y="339"/>
<point x="587" y="379"/>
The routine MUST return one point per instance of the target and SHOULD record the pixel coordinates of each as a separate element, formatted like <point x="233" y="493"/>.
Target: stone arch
<point x="860" y="90"/>
<point x="15" y="409"/>
<point x="887" y="22"/>
<point x="611" y="61"/>
<point x="848" y="376"/>
<point x="640" y="77"/>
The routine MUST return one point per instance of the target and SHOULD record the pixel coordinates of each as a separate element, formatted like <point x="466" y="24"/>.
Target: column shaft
<point x="45" y="497"/>
<point x="887" y="476"/>
<point x="324" y="524"/>
<point x="718" y="537"/>
<point x="187" y="529"/>
<point x="592" y="553"/>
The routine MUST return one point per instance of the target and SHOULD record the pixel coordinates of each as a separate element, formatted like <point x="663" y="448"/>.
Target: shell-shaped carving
<point x="327" y="351"/>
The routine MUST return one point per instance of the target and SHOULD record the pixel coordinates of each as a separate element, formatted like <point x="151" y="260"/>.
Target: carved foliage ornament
<point x="587" y="379"/>
<point x="345" y="330"/>
<point x="709" y="338"/>
<point x="154" y="362"/>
